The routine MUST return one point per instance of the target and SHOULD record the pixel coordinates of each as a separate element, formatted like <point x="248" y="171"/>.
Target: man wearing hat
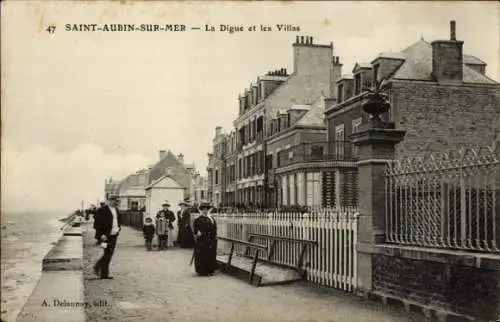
<point x="205" y="251"/>
<point x="164" y="220"/>
<point x="185" y="237"/>
<point x="107" y="225"/>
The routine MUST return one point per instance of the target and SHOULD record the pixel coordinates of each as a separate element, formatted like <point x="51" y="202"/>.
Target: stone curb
<point x="59" y="293"/>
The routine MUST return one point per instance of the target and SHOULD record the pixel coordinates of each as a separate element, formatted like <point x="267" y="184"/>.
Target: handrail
<point x="285" y="238"/>
<point x="242" y="242"/>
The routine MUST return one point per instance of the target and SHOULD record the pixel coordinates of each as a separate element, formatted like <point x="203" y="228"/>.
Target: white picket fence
<point x="331" y="263"/>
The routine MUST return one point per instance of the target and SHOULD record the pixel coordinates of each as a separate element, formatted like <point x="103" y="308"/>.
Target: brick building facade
<point x="216" y="167"/>
<point x="439" y="95"/>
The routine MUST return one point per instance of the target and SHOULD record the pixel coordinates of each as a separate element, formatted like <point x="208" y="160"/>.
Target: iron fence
<point x="446" y="200"/>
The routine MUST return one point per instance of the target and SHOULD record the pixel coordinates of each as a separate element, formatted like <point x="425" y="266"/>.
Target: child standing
<point x="148" y="230"/>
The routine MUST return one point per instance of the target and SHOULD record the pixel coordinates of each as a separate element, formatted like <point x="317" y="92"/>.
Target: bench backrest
<point x="297" y="240"/>
<point x="242" y="242"/>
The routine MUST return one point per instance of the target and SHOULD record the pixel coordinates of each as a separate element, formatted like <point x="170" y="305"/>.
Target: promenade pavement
<point x="161" y="286"/>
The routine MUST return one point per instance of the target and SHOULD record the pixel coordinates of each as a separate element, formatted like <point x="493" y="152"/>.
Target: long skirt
<point x="186" y="239"/>
<point x="205" y="261"/>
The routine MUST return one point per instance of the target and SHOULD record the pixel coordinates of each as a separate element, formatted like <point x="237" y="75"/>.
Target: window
<point x="288" y="119"/>
<point x="375" y="73"/>
<point x="269" y="161"/>
<point x="339" y="140"/>
<point x="340" y="94"/>
<point x="316" y="151"/>
<point x="279" y="124"/>
<point x="356" y="123"/>
<point x="259" y="124"/>
<point x="357" y="84"/>
<point x="216" y="176"/>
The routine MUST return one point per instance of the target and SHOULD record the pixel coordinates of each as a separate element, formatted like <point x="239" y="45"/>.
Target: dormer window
<point x="288" y="119"/>
<point x="357" y="84"/>
<point x="375" y="73"/>
<point x="340" y="93"/>
<point x="279" y="124"/>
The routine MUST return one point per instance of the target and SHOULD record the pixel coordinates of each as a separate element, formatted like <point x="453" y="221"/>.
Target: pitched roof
<point x="361" y="66"/>
<point x="473" y="60"/>
<point x="418" y="65"/>
<point x="391" y="55"/>
<point x="160" y="179"/>
<point x="346" y="76"/>
<point x="300" y="107"/>
<point x="179" y="172"/>
<point x="315" y="116"/>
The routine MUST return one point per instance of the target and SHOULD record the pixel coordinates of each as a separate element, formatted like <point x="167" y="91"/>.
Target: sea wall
<point x="59" y="294"/>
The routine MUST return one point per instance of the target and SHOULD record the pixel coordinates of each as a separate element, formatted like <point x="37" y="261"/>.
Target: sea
<point x="26" y="239"/>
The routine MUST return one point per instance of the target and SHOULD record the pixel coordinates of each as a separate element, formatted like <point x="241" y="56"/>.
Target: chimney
<point x="309" y="59"/>
<point x="453" y="35"/>
<point x="335" y="75"/>
<point x="181" y="158"/>
<point x="447" y="58"/>
<point x="218" y="131"/>
<point x="162" y="154"/>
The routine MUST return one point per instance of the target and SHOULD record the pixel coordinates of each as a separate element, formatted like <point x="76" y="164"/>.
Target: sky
<point x="79" y="107"/>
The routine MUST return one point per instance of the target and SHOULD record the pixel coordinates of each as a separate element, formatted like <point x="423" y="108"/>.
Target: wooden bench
<point x="249" y="245"/>
<point x="305" y="243"/>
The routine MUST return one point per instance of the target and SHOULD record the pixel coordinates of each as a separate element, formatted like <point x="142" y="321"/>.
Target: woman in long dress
<point x="185" y="237"/>
<point x="205" y="251"/>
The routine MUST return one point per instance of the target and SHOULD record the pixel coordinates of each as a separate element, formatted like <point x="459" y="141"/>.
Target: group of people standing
<point x="164" y="224"/>
<point x="199" y="234"/>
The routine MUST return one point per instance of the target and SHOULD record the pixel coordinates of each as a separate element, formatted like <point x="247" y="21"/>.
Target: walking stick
<point x="192" y="258"/>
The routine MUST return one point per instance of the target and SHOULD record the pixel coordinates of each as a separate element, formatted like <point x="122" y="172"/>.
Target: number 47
<point x="51" y="29"/>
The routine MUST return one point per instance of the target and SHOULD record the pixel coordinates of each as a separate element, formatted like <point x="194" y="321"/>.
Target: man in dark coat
<point x="205" y="250"/>
<point x="185" y="237"/>
<point x="108" y="225"/>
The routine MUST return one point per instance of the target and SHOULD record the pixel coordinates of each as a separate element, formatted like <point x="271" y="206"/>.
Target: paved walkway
<point x="161" y="286"/>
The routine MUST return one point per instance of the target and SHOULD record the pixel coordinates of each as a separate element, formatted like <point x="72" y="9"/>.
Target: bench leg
<point x="271" y="251"/>
<point x="254" y="264"/>
<point x="230" y="256"/>
<point x="301" y="258"/>
<point x="247" y="249"/>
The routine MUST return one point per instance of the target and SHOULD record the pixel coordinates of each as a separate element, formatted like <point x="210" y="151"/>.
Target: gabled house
<point x="176" y="169"/>
<point x="131" y="191"/>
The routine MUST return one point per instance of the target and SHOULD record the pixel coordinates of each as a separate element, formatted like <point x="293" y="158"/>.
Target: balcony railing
<point x="317" y="151"/>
